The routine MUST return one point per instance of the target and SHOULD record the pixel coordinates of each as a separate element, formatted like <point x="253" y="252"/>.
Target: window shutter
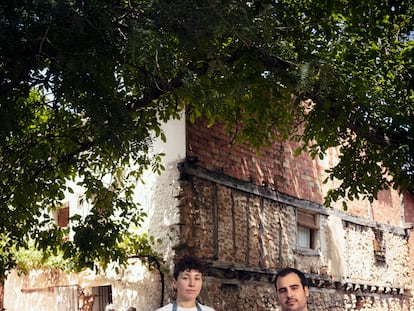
<point x="307" y="220"/>
<point x="63" y="217"/>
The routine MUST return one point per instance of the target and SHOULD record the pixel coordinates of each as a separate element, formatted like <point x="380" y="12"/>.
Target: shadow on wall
<point x="336" y="248"/>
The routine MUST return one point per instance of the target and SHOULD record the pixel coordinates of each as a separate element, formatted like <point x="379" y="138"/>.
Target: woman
<point x="188" y="280"/>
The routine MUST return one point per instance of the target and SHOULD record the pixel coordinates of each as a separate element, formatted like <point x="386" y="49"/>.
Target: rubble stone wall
<point x="245" y="234"/>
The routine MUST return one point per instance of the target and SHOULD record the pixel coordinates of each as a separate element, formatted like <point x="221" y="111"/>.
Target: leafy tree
<point x="84" y="85"/>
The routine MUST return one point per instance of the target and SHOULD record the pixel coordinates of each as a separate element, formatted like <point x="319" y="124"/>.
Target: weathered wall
<point x="245" y="233"/>
<point x="347" y="257"/>
<point x="39" y="290"/>
<point x="53" y="290"/>
<point x="278" y="169"/>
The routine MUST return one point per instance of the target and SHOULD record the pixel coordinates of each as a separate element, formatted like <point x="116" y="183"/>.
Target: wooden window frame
<point x="309" y="221"/>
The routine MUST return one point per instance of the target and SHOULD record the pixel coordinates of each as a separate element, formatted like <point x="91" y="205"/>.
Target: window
<point x="102" y="297"/>
<point x="63" y="216"/>
<point x="379" y="246"/>
<point x="307" y="229"/>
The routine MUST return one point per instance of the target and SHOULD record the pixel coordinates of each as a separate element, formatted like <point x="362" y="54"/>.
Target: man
<point x="292" y="290"/>
<point x="188" y="280"/>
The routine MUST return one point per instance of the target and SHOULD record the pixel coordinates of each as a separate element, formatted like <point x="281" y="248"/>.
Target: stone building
<point x="247" y="216"/>
<point x="250" y="216"/>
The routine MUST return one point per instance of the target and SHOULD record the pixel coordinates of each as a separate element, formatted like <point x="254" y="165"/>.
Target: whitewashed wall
<point x="135" y="286"/>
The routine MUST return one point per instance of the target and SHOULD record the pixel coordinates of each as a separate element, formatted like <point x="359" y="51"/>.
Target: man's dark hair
<point x="188" y="263"/>
<point x="286" y="271"/>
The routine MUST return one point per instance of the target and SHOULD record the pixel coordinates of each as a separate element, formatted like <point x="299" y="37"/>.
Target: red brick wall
<point x="277" y="168"/>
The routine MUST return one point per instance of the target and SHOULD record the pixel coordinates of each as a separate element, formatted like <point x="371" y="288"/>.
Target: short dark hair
<point x="286" y="271"/>
<point x="188" y="263"/>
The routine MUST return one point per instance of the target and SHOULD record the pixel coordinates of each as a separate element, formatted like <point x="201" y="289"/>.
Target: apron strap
<point x="175" y="306"/>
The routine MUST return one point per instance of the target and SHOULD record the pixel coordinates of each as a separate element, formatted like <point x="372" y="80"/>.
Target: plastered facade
<point x="52" y="290"/>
